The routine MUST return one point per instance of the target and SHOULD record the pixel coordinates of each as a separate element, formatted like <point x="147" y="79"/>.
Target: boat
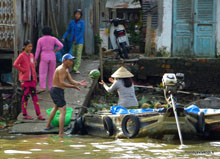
<point x="151" y="123"/>
<point x="210" y="107"/>
<point x="120" y="122"/>
<point x="212" y="122"/>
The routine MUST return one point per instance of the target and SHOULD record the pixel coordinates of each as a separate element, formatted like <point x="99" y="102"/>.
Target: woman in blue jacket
<point x="76" y="31"/>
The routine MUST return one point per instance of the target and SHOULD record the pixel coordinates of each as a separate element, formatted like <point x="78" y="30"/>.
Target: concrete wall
<point x="164" y="31"/>
<point x="218" y="27"/>
<point x="198" y="77"/>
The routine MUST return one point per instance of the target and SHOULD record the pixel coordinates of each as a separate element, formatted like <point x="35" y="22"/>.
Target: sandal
<point x="28" y="117"/>
<point x="51" y="127"/>
<point x="40" y="117"/>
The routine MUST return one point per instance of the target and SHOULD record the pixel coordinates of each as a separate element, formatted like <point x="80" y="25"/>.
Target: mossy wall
<point x="201" y="75"/>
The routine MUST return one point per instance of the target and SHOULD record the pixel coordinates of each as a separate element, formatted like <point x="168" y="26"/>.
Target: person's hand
<point x="102" y="82"/>
<point x="35" y="63"/>
<point x="83" y="83"/>
<point x="76" y="87"/>
<point x="62" y="39"/>
<point x="55" y="50"/>
<point x="111" y="80"/>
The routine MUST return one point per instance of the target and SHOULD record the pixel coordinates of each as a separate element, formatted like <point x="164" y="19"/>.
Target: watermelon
<point x="94" y="74"/>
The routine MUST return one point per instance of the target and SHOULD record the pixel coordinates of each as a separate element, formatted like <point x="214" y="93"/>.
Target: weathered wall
<point x="6" y="17"/>
<point x="218" y="27"/>
<point x="33" y="15"/>
<point x="201" y="75"/>
<point x="164" y="30"/>
<point x="64" y="13"/>
<point x="88" y="11"/>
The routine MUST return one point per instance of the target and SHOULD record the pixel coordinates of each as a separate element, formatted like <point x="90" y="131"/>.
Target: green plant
<point x="163" y="52"/>
<point x="135" y="36"/>
<point x="143" y="100"/>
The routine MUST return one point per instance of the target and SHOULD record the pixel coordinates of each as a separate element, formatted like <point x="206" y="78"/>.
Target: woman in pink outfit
<point x="47" y="52"/>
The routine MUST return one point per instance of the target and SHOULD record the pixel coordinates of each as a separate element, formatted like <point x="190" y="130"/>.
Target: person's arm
<point x="62" y="76"/>
<point x="38" y="50"/>
<point x="17" y="64"/>
<point x="81" y="83"/>
<point x="59" y="44"/>
<point x="68" y="31"/>
<point x="113" y="87"/>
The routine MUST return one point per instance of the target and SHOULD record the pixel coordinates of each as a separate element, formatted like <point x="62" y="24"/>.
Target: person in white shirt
<point x="123" y="84"/>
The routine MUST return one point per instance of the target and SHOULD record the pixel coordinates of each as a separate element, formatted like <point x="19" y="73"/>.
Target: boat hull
<point x="152" y="124"/>
<point x="212" y="127"/>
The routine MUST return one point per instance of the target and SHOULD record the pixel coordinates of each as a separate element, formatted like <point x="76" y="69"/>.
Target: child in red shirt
<point x="25" y="64"/>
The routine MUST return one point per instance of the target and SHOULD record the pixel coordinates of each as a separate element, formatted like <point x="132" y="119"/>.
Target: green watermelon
<point x="94" y="74"/>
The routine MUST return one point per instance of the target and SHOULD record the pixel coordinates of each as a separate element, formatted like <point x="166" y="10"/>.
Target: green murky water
<point x="69" y="147"/>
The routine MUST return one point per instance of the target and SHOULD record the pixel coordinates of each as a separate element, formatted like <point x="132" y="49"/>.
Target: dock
<point x="77" y="100"/>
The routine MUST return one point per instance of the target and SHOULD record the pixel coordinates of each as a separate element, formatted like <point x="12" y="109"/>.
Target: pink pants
<point x="47" y="67"/>
<point x="29" y="88"/>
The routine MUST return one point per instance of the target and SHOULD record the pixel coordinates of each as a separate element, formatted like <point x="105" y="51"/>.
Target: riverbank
<point x="76" y="100"/>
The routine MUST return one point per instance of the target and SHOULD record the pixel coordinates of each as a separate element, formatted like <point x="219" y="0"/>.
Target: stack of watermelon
<point x="94" y="74"/>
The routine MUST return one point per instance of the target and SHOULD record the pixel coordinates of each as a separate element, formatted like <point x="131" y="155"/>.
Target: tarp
<point x="121" y="110"/>
<point x="192" y="108"/>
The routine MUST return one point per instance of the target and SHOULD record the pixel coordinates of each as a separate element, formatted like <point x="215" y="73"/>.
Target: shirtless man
<point x="57" y="91"/>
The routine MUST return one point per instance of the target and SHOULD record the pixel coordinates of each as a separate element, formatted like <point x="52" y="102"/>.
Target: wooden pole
<point x="148" y="35"/>
<point x="101" y="61"/>
<point x="48" y="12"/>
<point x="97" y="17"/>
<point x="97" y="25"/>
<point x="52" y="5"/>
<point x="14" y="72"/>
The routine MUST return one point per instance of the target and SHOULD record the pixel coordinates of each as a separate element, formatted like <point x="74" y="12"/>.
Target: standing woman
<point x="76" y="30"/>
<point x="47" y="53"/>
<point x="123" y="84"/>
<point x="25" y="64"/>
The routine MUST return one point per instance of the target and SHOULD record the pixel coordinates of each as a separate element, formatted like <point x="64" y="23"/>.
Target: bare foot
<point x="41" y="91"/>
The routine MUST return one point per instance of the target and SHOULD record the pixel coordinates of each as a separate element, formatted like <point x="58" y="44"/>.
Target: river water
<point x="89" y="147"/>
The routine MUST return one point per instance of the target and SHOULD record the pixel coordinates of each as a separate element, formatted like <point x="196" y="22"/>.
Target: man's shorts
<point x="57" y="95"/>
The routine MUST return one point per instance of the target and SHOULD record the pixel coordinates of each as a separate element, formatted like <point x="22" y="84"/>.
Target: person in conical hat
<point x="121" y="81"/>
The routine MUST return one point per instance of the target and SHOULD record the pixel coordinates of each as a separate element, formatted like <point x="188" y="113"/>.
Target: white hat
<point x="122" y="73"/>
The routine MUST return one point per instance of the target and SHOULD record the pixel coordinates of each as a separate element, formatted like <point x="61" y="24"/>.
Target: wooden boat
<point x="152" y="124"/>
<point x="212" y="120"/>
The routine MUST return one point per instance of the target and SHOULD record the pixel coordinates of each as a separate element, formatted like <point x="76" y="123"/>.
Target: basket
<point x="55" y="120"/>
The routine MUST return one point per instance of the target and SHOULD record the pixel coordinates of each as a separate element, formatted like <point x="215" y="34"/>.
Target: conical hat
<point x="122" y="73"/>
